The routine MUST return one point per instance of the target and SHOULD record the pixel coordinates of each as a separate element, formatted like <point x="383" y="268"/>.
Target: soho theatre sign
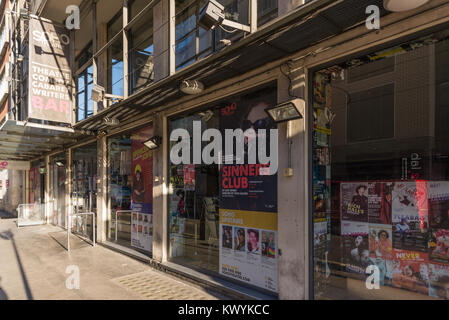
<point x="50" y="84"/>
<point x="14" y="165"/>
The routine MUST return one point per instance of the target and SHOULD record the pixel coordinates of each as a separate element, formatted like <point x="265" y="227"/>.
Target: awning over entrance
<point x="302" y="28"/>
<point x="26" y="141"/>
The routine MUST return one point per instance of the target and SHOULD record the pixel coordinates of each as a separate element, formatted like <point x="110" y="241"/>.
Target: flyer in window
<point x="439" y="281"/>
<point x="248" y="196"/>
<point x="411" y="271"/>
<point x="248" y="247"/>
<point x="410" y="223"/>
<point x="142" y="190"/>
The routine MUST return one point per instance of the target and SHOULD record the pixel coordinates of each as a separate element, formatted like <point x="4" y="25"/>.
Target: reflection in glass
<point x="381" y="174"/>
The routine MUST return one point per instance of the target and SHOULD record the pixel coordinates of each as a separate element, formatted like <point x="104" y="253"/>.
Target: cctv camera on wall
<point x="211" y="15"/>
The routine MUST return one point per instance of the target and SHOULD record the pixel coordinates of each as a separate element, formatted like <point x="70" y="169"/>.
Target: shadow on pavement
<point x="3" y="295"/>
<point x="5" y="215"/>
<point x="8" y="235"/>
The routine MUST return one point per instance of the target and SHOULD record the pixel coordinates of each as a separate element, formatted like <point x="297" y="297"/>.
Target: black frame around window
<point x="86" y="78"/>
<point x="193" y="35"/>
<point x="309" y="137"/>
<point x="140" y="52"/>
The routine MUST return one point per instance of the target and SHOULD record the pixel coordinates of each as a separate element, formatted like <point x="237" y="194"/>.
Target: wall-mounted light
<point x="19" y="58"/>
<point x="153" y="143"/>
<point x="59" y="164"/>
<point x="286" y="111"/>
<point x="403" y="5"/>
<point x="111" y="121"/>
<point x="191" y="87"/>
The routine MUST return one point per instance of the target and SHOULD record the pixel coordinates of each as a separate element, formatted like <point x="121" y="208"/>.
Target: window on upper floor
<point x="267" y="10"/>
<point x="140" y="48"/>
<point x="192" y="41"/>
<point x="115" y="56"/>
<point x="84" y="83"/>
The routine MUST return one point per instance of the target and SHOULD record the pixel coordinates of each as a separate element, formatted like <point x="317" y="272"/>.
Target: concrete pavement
<point x="33" y="264"/>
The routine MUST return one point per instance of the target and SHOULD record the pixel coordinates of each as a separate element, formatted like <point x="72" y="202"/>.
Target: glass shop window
<point x="130" y="189"/>
<point x="223" y="215"/>
<point x="381" y="174"/>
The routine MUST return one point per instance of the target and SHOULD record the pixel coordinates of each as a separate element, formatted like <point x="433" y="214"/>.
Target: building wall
<point x="293" y="201"/>
<point x="12" y="190"/>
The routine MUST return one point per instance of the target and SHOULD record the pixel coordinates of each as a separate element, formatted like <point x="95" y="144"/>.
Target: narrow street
<point x="33" y="265"/>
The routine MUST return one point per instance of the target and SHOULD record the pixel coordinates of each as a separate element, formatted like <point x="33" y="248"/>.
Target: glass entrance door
<point x="58" y="167"/>
<point x="84" y="189"/>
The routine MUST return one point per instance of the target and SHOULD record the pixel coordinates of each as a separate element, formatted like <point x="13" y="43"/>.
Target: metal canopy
<point x="27" y="141"/>
<point x="283" y="37"/>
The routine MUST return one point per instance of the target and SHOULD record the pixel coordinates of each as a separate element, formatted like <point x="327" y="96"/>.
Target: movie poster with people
<point x="380" y="202"/>
<point x="410" y="222"/>
<point x="380" y="243"/>
<point x="439" y="281"/>
<point x="366" y="202"/>
<point x="354" y="201"/>
<point x="248" y="195"/>
<point x="439" y="246"/>
<point x="355" y="245"/>
<point x="142" y="190"/>
<point x="411" y="271"/>
<point x="439" y="204"/>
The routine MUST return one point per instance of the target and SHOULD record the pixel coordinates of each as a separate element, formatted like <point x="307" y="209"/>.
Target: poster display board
<point x="248" y="202"/>
<point x="50" y="82"/>
<point x="411" y="249"/>
<point x="142" y="190"/>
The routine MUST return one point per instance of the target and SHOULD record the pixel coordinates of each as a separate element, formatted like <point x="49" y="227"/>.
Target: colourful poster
<point x="439" y="281"/>
<point x="142" y="230"/>
<point x="409" y="217"/>
<point x="248" y="196"/>
<point x="380" y="243"/>
<point x="366" y="201"/>
<point x="380" y="202"/>
<point x="189" y="177"/>
<point x="248" y="247"/>
<point x="439" y="204"/>
<point x="142" y="190"/>
<point x="355" y="246"/>
<point x="354" y="201"/>
<point x="245" y="185"/>
<point x="411" y="271"/>
<point x="439" y="246"/>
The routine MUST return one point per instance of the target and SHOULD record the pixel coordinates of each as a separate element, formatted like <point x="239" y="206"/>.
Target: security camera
<point x="213" y="14"/>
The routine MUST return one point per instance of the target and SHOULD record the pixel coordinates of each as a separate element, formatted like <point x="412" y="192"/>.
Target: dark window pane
<point x="267" y="10"/>
<point x="185" y="49"/>
<point x="114" y="26"/>
<point x="185" y="22"/>
<point x="115" y="68"/>
<point x="141" y="53"/>
<point x="371" y="114"/>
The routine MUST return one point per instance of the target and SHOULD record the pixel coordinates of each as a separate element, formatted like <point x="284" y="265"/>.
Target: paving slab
<point x="34" y="260"/>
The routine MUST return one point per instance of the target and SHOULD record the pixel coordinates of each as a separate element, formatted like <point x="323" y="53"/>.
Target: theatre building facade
<point x="340" y="191"/>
